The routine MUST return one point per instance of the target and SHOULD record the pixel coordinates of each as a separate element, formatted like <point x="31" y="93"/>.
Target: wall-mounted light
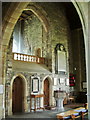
<point x="75" y="68"/>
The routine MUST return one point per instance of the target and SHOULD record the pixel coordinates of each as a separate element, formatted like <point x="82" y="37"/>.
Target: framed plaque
<point x="35" y="85"/>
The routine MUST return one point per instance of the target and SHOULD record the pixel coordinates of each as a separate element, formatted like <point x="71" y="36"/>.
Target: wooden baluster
<point x="30" y="58"/>
<point x="17" y="56"/>
<point x="27" y="58"/>
<point x="24" y="57"/>
<point x="38" y="60"/>
<point x="20" y="57"/>
<point x="35" y="59"/>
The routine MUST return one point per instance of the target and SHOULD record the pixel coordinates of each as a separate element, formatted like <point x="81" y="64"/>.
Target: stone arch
<point x="10" y="19"/>
<point x="50" y="88"/>
<point x="41" y="16"/>
<point x="13" y="13"/>
<point x="81" y="14"/>
<point x="25" y="92"/>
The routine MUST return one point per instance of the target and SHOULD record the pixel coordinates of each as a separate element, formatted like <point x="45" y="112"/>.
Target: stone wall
<point x="59" y="29"/>
<point x="11" y="19"/>
<point x="37" y="36"/>
<point x="33" y="34"/>
<point x="78" y="50"/>
<point x="27" y="37"/>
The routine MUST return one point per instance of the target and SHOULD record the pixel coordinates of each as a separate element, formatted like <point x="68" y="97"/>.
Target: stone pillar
<point x="88" y="63"/>
<point x="1" y="82"/>
<point x="3" y="49"/>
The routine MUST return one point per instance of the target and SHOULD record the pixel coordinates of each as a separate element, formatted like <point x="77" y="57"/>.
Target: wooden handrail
<point x="28" y="58"/>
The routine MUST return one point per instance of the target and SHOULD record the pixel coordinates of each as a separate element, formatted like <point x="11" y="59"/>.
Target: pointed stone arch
<point x="41" y="15"/>
<point x="12" y="16"/>
<point x="10" y="20"/>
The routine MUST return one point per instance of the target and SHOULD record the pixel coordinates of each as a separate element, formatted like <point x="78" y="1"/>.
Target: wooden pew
<point x="81" y="110"/>
<point x="76" y="115"/>
<point x="73" y="114"/>
<point x="86" y="105"/>
<point x="66" y="115"/>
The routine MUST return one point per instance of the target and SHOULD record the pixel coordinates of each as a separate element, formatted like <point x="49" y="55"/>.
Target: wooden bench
<point x="65" y="115"/>
<point x="86" y="105"/>
<point x="72" y="114"/>
<point x="81" y="110"/>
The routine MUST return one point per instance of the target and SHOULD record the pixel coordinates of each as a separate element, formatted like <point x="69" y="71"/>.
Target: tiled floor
<point x="44" y="114"/>
<point x="39" y="114"/>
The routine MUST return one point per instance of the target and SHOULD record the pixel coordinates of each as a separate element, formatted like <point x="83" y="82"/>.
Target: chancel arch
<point x="11" y="18"/>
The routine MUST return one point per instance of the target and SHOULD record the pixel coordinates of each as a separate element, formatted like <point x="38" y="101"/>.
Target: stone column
<point x="3" y="49"/>
<point x="1" y="83"/>
<point x="88" y="63"/>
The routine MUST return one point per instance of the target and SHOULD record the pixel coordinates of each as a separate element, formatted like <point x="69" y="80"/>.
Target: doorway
<point x="46" y="93"/>
<point x="17" y="95"/>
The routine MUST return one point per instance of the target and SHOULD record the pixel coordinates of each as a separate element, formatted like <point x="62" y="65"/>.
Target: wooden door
<point x="46" y="93"/>
<point x="17" y="95"/>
